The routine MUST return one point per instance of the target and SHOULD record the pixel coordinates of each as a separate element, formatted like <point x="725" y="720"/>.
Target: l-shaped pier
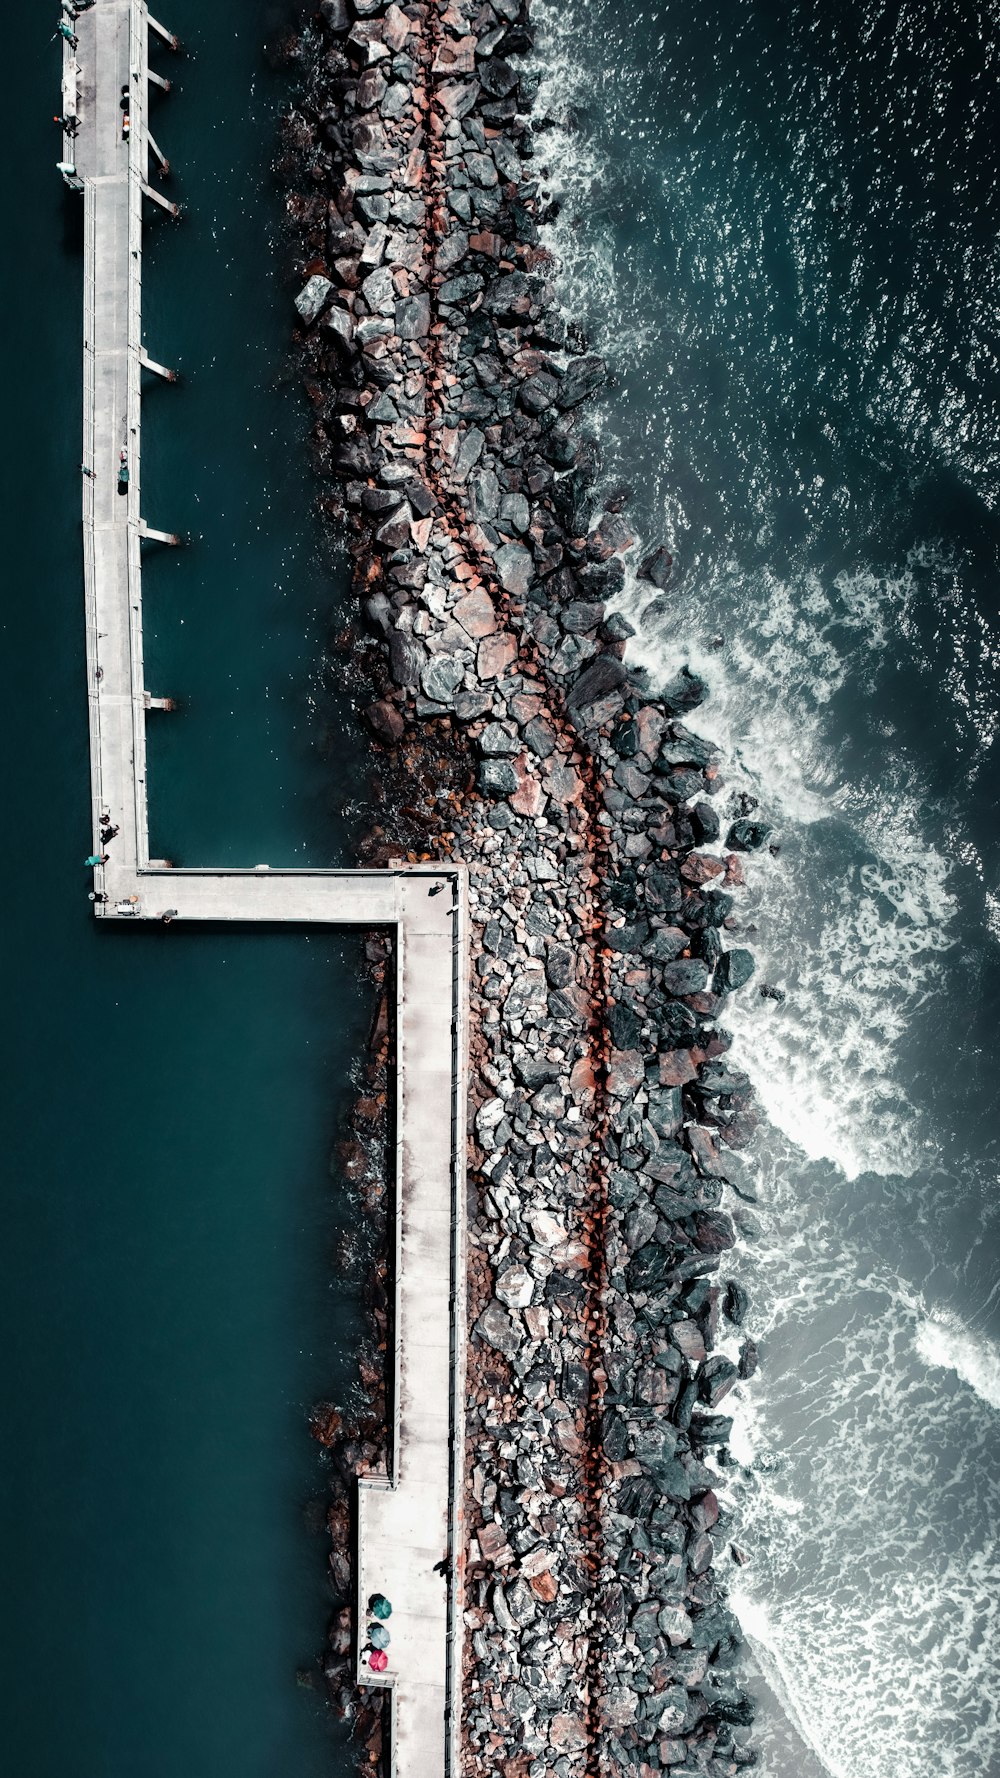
<point x="409" y="1519"/>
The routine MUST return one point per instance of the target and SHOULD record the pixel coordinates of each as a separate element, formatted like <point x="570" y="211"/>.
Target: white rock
<point x="514" y="1287"/>
<point x="546" y="1228"/>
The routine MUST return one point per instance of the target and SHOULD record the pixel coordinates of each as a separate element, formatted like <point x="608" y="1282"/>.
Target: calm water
<point x="781" y="221"/>
<point x="168" y="1309"/>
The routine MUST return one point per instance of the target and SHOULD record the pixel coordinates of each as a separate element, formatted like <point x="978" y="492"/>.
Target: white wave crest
<point x="944" y="1343"/>
<point x="854" y="915"/>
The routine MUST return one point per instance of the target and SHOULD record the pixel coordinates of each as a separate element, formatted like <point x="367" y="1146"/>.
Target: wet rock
<point x="704" y="824"/>
<point x="717" y="1376"/>
<point x="700" y="1554"/>
<point x="736" y="1303"/>
<point x="538" y="392"/>
<point x="663" y="889"/>
<point x="405" y="659"/>
<point x="746" y="835"/>
<point x="582" y="379"/>
<point x="684" y="692"/>
<point x="666" y="944"/>
<point x="496" y="76"/>
<point x="675" y="1623"/>
<point x="689" y="1340"/>
<point x="656" y="568"/>
<point x="687" y="977"/>
<point x="702" y="1145"/>
<point x="602" y="678"/>
<point x="749" y="1359"/>
<point x="582" y="617"/>
<point x="338" y="323"/>
<point x="713" y="1232"/>
<point x="733" y="971"/>
<point x="385" y="721"/>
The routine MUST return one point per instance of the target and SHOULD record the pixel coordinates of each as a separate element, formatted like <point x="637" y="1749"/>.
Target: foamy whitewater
<point x="809" y="412"/>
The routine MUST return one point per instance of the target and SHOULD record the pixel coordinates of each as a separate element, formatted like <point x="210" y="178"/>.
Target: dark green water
<point x="167" y="1307"/>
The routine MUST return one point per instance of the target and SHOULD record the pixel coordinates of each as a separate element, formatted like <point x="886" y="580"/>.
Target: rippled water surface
<point x="781" y="224"/>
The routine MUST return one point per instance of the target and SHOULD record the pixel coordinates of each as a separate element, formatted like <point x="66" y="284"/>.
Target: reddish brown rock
<point x="568" y="1732"/>
<point x="494" y="1545"/>
<point x="475" y="613"/>
<point x="529" y="797"/>
<point x="701" y="867"/>
<point x="496" y="654"/>
<point x="677" y="1068"/>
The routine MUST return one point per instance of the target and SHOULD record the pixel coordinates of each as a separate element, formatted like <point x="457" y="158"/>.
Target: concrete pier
<point x="409" y="1519"/>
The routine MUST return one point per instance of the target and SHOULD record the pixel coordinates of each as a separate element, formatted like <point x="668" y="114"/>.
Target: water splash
<point x="945" y="1343"/>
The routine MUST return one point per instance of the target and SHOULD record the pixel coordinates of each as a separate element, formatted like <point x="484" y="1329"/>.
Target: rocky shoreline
<point x="489" y="549"/>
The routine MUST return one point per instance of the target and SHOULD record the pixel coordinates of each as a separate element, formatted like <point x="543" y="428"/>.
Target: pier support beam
<point x="161" y="157"/>
<point x="148" y="363"/>
<point x="152" y="536"/>
<point x="158" y="79"/>
<point x="161" y="31"/>
<point x="158" y="198"/>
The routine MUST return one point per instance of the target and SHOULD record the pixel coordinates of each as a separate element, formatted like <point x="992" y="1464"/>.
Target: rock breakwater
<point x="489" y="551"/>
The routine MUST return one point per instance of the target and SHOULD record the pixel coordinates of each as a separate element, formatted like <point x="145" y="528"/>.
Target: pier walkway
<point x="409" y="1519"/>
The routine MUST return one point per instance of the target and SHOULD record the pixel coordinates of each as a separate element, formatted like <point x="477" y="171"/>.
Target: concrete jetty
<point x="409" y="1519"/>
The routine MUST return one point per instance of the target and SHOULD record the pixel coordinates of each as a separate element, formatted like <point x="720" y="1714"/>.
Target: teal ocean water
<point x="168" y="1305"/>
<point x="780" y="221"/>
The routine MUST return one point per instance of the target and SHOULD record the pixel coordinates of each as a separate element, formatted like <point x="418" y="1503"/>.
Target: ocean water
<point x="169" y="1305"/>
<point x="780" y="223"/>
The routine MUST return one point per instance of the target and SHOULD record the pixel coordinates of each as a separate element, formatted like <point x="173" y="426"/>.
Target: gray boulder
<point x="687" y="977"/>
<point x="498" y="1329"/>
<point x="497" y="777"/>
<point x="515" y="568"/>
<point x="312" y="296"/>
<point x="413" y="317"/>
<point x="441" y="678"/>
